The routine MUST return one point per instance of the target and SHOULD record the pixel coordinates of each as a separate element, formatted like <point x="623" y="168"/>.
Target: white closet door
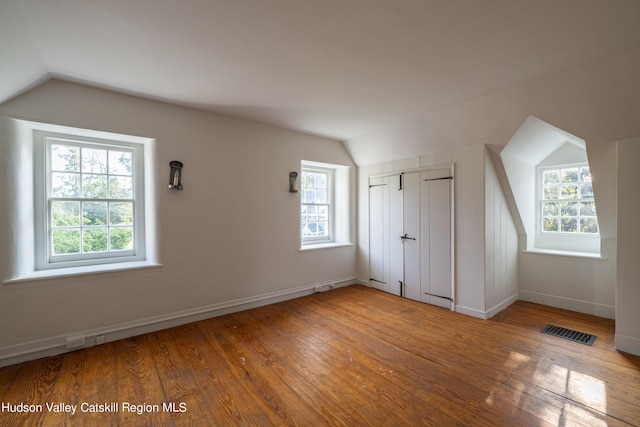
<point x="396" y="249"/>
<point x="385" y="228"/>
<point x="436" y="237"/>
<point x="425" y="243"/>
<point x="378" y="233"/>
<point x="411" y="236"/>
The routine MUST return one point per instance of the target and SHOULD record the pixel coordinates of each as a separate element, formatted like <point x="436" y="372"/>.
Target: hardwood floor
<point x="352" y="357"/>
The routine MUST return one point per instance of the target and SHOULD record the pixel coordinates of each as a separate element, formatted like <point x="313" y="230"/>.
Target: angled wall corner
<point x="498" y="165"/>
<point x="502" y="236"/>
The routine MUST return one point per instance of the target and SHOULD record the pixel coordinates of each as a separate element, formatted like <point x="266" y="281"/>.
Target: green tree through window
<point x="567" y="203"/>
<point x="92" y="198"/>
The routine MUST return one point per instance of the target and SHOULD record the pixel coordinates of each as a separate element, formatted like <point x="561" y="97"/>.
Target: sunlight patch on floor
<point x="587" y="390"/>
<point x="514" y="362"/>
<point x="583" y="397"/>
<point x="577" y="386"/>
<point x="551" y="377"/>
<point x="575" y="415"/>
<point x="587" y="395"/>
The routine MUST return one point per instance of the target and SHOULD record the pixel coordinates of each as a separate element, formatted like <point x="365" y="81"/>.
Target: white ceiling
<point x="339" y="68"/>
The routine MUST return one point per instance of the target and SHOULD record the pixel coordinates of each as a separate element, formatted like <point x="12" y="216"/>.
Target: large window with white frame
<point x="316" y="205"/>
<point x="567" y="204"/>
<point x="89" y="201"/>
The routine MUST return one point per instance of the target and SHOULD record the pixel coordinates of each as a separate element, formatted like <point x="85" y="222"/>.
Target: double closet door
<point x="410" y="235"/>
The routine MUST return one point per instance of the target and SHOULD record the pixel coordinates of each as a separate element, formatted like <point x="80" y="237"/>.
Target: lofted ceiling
<point x="338" y="68"/>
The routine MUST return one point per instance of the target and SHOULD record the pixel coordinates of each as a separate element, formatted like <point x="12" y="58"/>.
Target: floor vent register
<point x="569" y="334"/>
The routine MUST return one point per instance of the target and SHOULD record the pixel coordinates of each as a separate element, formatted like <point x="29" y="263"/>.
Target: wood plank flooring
<point x="350" y="357"/>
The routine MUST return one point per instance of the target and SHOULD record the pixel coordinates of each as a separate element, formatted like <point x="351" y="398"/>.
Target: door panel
<point x="386" y="257"/>
<point x="436" y="233"/>
<point x="425" y="244"/>
<point x="396" y="255"/>
<point x="411" y="226"/>
<point x="377" y="231"/>
<point x="440" y="239"/>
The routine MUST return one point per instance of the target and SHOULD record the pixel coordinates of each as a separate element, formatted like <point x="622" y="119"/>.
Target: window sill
<point x="586" y="255"/>
<point x="320" y="246"/>
<point x="82" y="271"/>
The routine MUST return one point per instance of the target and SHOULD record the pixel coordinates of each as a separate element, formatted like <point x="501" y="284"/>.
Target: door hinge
<point x="439" y="296"/>
<point x="438" y="179"/>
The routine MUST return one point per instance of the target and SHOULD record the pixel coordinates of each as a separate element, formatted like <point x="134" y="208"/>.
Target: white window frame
<point x="44" y="257"/>
<point x="342" y="209"/>
<point x="562" y="241"/>
<point x="329" y="173"/>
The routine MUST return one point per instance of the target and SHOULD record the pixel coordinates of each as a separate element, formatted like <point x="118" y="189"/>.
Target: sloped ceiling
<point x="338" y="68"/>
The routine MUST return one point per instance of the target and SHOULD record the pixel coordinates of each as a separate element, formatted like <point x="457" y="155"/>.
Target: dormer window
<point x="566" y="200"/>
<point x="550" y="178"/>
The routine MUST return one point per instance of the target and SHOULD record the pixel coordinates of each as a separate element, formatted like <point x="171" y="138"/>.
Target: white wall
<point x="574" y="283"/>
<point x="501" y="243"/>
<point x="470" y="230"/>
<point x="628" y="295"/>
<point x="22" y="65"/>
<point x="598" y="102"/>
<point x="230" y="237"/>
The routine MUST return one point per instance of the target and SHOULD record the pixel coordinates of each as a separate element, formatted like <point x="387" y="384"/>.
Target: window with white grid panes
<point x="567" y="204"/>
<point x="92" y="201"/>
<point x="315" y="205"/>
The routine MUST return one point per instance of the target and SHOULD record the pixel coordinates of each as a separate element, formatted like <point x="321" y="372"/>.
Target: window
<point x="566" y="201"/>
<point x="326" y="206"/>
<point x="550" y="179"/>
<point x="89" y="201"/>
<point x="316" y="205"/>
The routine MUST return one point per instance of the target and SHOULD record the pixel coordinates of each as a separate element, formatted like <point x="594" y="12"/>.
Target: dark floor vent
<point x="569" y="334"/>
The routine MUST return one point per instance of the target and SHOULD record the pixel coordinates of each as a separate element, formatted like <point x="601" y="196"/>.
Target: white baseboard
<point x="501" y="306"/>
<point x="484" y="315"/>
<point x="628" y="344"/>
<point x="471" y="312"/>
<point x="52" y="346"/>
<point x="587" y="307"/>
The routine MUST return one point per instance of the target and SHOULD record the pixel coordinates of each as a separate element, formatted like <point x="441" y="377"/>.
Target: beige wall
<point x="231" y="236"/>
<point x="628" y="289"/>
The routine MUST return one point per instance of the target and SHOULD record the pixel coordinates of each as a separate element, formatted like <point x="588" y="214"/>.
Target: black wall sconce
<point x="176" y="175"/>
<point x="293" y="182"/>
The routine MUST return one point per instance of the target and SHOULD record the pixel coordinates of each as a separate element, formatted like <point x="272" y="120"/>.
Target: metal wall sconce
<point x="293" y="182"/>
<point x="176" y="175"/>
